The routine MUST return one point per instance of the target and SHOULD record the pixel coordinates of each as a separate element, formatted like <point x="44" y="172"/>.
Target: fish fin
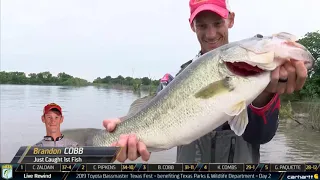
<point x="137" y="105"/>
<point x="287" y="36"/>
<point x="83" y="136"/>
<point x="239" y="123"/>
<point x="236" y="109"/>
<point x="215" y="88"/>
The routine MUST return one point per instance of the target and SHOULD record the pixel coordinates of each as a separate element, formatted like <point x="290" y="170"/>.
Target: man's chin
<point x="53" y="130"/>
<point x="211" y="47"/>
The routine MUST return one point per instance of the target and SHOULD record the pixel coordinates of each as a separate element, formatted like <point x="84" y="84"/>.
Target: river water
<point x="21" y="125"/>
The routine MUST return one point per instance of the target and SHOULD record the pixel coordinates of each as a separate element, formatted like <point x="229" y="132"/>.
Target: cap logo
<point x="198" y="1"/>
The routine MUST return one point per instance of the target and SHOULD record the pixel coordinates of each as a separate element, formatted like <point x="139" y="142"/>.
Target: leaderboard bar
<point x="200" y="167"/>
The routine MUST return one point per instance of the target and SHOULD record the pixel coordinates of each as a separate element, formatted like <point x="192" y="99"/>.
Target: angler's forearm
<point x="263" y="122"/>
<point x="263" y="99"/>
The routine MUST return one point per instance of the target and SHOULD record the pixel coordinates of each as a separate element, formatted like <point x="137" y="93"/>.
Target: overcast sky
<point x="92" y="38"/>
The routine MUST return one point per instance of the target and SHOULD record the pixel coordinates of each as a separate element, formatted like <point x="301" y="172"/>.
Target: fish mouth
<point x="243" y="69"/>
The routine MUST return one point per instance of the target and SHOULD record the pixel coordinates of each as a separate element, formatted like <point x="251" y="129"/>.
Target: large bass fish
<point x="214" y="89"/>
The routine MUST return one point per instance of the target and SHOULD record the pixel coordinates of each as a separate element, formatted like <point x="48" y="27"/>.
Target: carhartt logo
<point x="199" y="1"/>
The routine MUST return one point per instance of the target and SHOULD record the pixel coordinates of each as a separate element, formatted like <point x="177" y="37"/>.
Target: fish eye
<point x="259" y="36"/>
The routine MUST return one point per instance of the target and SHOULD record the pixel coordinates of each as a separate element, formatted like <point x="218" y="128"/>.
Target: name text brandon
<point x="57" y="151"/>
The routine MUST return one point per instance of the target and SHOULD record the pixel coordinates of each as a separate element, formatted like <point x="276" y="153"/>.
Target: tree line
<point x="63" y="79"/>
<point x="311" y="90"/>
<point x="42" y="78"/>
<point x="128" y="81"/>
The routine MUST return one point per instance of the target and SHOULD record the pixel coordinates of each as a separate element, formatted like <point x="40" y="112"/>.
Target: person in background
<point x="164" y="81"/>
<point x="52" y="118"/>
<point x="211" y="20"/>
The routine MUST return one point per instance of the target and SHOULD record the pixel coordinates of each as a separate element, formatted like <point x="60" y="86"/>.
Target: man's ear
<point x="62" y="118"/>
<point x="192" y="26"/>
<point x="231" y="19"/>
<point x="42" y="118"/>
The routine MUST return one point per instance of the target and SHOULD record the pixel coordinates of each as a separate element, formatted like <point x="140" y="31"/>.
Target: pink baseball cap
<point x="218" y="6"/>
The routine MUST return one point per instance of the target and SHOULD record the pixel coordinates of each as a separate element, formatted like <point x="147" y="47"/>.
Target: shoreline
<point x="304" y="113"/>
<point x="109" y="86"/>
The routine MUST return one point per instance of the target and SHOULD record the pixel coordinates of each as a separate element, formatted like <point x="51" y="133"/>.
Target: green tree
<point x="312" y="87"/>
<point x="128" y="81"/>
<point x="146" y="81"/>
<point x="311" y="41"/>
<point x="107" y="80"/>
<point x="98" y="80"/>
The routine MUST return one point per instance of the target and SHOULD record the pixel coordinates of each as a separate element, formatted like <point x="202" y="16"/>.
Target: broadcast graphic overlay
<point x="98" y="163"/>
<point x="163" y="171"/>
<point x="31" y="154"/>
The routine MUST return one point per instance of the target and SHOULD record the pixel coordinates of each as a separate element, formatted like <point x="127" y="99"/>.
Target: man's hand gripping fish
<point x="214" y="89"/>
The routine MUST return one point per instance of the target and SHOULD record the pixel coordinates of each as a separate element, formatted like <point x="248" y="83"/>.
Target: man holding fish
<point x="210" y="20"/>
